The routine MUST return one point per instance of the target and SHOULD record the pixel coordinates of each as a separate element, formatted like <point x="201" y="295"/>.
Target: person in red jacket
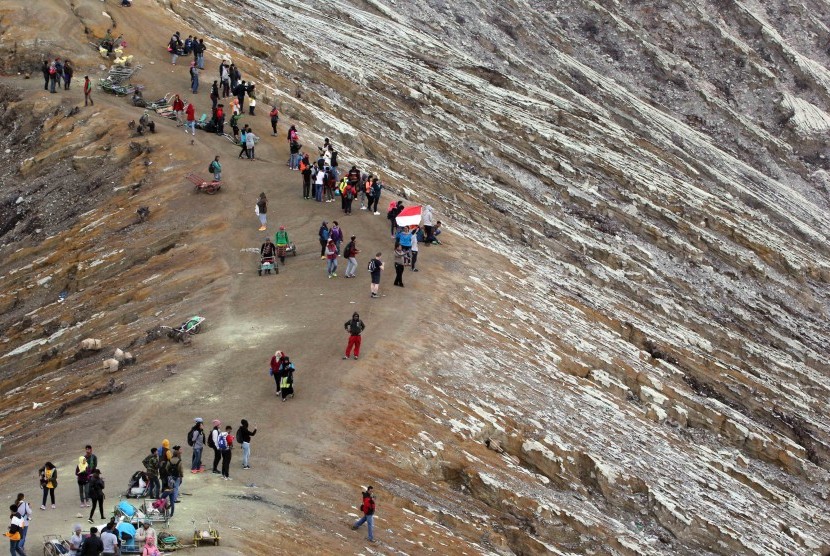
<point x="190" y="111"/>
<point x="220" y="119"/>
<point x="368" y="509"/>
<point x="178" y="108"/>
<point x="276" y="364"/>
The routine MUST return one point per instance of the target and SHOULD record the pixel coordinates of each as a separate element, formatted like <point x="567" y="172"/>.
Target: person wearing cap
<point x="350" y="253"/>
<point x="145" y="532"/>
<point x="243" y="436"/>
<point x="151" y="468"/>
<point x="282" y="241"/>
<point x="196" y="440"/>
<point x="75" y="540"/>
<point x="331" y="258"/>
<point x="212" y="442"/>
<point x="354" y="327"/>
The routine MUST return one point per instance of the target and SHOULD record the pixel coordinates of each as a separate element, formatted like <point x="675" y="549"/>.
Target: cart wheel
<point x="196" y="329"/>
<point x="212" y="191"/>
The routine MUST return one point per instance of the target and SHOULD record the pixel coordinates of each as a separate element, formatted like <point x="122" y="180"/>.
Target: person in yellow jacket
<point x="342" y="187"/>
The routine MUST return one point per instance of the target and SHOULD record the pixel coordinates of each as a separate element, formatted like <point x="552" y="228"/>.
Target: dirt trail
<point x="306" y="455"/>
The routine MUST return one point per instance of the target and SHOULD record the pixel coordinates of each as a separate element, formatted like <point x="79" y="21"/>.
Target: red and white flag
<point x="409" y="216"/>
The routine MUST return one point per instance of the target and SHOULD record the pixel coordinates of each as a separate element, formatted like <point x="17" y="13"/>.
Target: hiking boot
<point x="217" y="472"/>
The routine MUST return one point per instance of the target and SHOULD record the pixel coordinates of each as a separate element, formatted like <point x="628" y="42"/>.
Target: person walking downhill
<point x="88" y="92"/>
<point x="83" y="474"/>
<point x="213" y="440"/>
<point x="375" y="268"/>
<point x="282" y="242"/>
<point x="354" y="327"/>
<point x="151" y="469"/>
<point x="368" y="509"/>
<point x="286" y="378"/>
<point x="216" y="168"/>
<point x="261" y="210"/>
<point x="350" y="253"/>
<point x="196" y="440"/>
<point x="276" y="364"/>
<point x="15" y="531"/>
<point x="96" y="493"/>
<point x="24" y="510"/>
<point x="243" y="436"/>
<point x="48" y="482"/>
<point x="331" y="258"/>
<point x="400" y="262"/>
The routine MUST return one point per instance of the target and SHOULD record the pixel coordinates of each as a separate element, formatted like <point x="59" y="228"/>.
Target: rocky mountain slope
<point x="626" y="352"/>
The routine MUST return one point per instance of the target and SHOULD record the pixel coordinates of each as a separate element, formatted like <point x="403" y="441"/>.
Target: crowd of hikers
<point x="321" y="181"/>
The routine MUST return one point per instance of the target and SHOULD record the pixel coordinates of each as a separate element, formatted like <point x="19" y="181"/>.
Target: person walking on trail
<point x="225" y="444"/>
<point x="213" y="440"/>
<point x="24" y="510"/>
<point x="48" y="482"/>
<point x="275" y="118"/>
<point x="413" y="249"/>
<point x="151" y="469"/>
<point x="261" y="210"/>
<point x="194" y="78"/>
<point x="323" y="235"/>
<point x="336" y="234"/>
<point x="250" y="142"/>
<point x="83" y="473"/>
<point x="216" y="168"/>
<point x="400" y="263"/>
<point x="45" y="70"/>
<point x="354" y="327"/>
<point x="88" y="92"/>
<point x="375" y="268"/>
<point x="243" y="141"/>
<point x="282" y="241"/>
<point x="235" y="126"/>
<point x="286" y="378"/>
<point x="276" y="365"/>
<point x="15" y="532"/>
<point x="96" y="493"/>
<point x="178" y="108"/>
<point x="190" y="113"/>
<point x="368" y="508"/>
<point x="331" y="258"/>
<point x="243" y="436"/>
<point x="374" y="196"/>
<point x="196" y="440"/>
<point x="350" y="253"/>
<point x="76" y="540"/>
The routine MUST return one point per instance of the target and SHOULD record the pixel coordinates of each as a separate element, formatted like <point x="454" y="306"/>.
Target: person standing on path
<point x="82" y="472"/>
<point x="45" y="70"/>
<point x="368" y="509"/>
<point x="250" y="143"/>
<point x="276" y="364"/>
<point x="305" y="170"/>
<point x="286" y="378"/>
<point x="96" y="493"/>
<point x="175" y="471"/>
<point x="190" y="113"/>
<point x="196" y="440"/>
<point x="88" y="92"/>
<point x="331" y="258"/>
<point x="243" y="436"/>
<point x="336" y="234"/>
<point x="323" y="236"/>
<point x="48" y="482"/>
<point x="213" y="441"/>
<point x="68" y="72"/>
<point x="282" y="242"/>
<point x="24" y="510"/>
<point x="194" y="78"/>
<point x="375" y="196"/>
<point x="15" y="532"/>
<point x="413" y="250"/>
<point x="151" y="468"/>
<point x="216" y="168"/>
<point x="261" y="210"/>
<point x="178" y="108"/>
<point x="354" y="327"/>
<point x="225" y="444"/>
<point x="275" y="119"/>
<point x="350" y="253"/>
<point x="375" y="268"/>
<point x="53" y="77"/>
<point x="400" y="261"/>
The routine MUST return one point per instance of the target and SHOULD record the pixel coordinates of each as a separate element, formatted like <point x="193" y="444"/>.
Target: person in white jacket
<point x="428" y="219"/>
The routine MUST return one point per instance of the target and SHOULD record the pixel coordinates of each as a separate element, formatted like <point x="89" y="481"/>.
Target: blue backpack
<point x="222" y="442"/>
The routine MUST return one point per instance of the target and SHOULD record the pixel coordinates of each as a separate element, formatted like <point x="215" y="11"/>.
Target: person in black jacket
<point x="354" y="327"/>
<point x="92" y="545"/>
<point x="243" y="436"/>
<point x="96" y="494"/>
<point x="45" y="70"/>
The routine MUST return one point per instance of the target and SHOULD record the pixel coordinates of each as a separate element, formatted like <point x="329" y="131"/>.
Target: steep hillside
<point x="623" y="348"/>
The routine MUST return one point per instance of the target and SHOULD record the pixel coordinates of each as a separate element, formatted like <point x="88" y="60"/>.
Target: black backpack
<point x="334" y="158"/>
<point x="210" y="442"/>
<point x="210" y="171"/>
<point x="371" y="267"/>
<point x="190" y="437"/>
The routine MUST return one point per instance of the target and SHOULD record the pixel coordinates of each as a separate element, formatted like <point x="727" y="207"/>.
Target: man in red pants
<point x="354" y="327"/>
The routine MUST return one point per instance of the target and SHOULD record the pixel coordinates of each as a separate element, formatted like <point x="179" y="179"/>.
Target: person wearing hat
<point x="75" y="540"/>
<point x="354" y="327"/>
<point x="350" y="253"/>
<point x="282" y="241"/>
<point x="331" y="258"/>
<point x="145" y="532"/>
<point x="196" y="440"/>
<point x="212" y="442"/>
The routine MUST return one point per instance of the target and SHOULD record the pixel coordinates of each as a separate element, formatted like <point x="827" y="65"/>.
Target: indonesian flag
<point x="409" y="216"/>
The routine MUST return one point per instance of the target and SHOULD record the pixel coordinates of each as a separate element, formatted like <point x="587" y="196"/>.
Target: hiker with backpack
<point x="367" y="506"/>
<point x="336" y="234"/>
<point x="196" y="440"/>
<point x="175" y="471"/>
<point x="373" y="195"/>
<point x="286" y="378"/>
<point x="323" y="235"/>
<point x="243" y="436"/>
<point x="375" y="267"/>
<point x="224" y="443"/>
<point x="212" y="443"/>
<point x="216" y="169"/>
<point x="349" y="194"/>
<point x="354" y="327"/>
<point x="350" y="253"/>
